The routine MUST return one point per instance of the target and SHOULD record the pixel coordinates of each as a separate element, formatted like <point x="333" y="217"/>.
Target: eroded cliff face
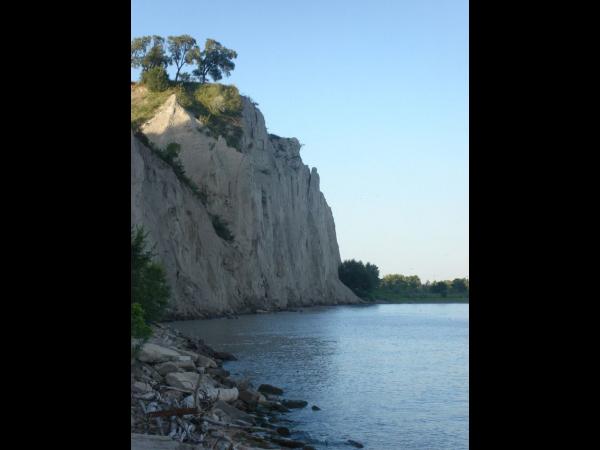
<point x="284" y="252"/>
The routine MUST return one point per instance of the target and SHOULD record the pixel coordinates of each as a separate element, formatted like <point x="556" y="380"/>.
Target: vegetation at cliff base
<point x="149" y="289"/>
<point x="364" y="281"/>
<point x="361" y="278"/>
<point x="396" y="287"/>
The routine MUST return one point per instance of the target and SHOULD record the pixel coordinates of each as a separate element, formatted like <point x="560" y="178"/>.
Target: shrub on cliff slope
<point x="218" y="106"/>
<point x="220" y="109"/>
<point x="219" y="99"/>
<point x="149" y="289"/>
<point x="155" y="79"/>
<point x="221" y="228"/>
<point x="139" y="328"/>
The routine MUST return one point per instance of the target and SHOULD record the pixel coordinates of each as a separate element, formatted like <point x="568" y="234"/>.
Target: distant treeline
<point x="364" y="281"/>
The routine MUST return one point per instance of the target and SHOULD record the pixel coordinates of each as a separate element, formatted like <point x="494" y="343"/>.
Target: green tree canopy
<point x="401" y="283"/>
<point x="460" y="285"/>
<point x="149" y="289"/>
<point x="214" y="61"/>
<point x="148" y="52"/>
<point x="440" y="287"/>
<point x="361" y="278"/>
<point x="156" y="79"/>
<point x="182" y="50"/>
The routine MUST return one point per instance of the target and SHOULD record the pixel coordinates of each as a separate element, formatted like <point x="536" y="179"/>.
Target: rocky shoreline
<point x="182" y="398"/>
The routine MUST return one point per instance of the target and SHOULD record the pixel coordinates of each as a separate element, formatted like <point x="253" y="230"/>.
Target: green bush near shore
<point x="149" y="289"/>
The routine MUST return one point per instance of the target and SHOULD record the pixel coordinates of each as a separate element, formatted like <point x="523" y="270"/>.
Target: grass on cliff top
<point x="218" y="106"/>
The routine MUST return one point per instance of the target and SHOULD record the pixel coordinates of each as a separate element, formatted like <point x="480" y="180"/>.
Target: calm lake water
<point x="388" y="376"/>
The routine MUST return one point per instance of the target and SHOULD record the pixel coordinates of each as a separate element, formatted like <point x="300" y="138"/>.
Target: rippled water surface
<point x="389" y="376"/>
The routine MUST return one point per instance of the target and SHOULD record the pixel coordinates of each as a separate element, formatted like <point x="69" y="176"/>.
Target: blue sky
<point x="377" y="92"/>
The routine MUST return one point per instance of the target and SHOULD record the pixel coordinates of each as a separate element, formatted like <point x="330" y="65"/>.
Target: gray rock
<point x="233" y="412"/>
<point x="176" y="366"/>
<point x="354" y="443"/>
<point x="171" y="395"/>
<point x="140" y="387"/>
<point x="227" y="395"/>
<point x="269" y="389"/>
<point x="192" y="355"/>
<point x="284" y="431"/>
<point x="228" y="383"/>
<point x="225" y="356"/>
<point x="205" y="362"/>
<point x="275" y="406"/>
<point x="188" y="402"/>
<point x="315" y="408"/>
<point x="183" y="380"/>
<point x="154" y="442"/>
<point x="153" y="353"/>
<point x="189" y="380"/>
<point x="248" y="396"/>
<point x="288" y="443"/>
<point x="168" y="367"/>
<point x="218" y="372"/>
<point x="294" y="403"/>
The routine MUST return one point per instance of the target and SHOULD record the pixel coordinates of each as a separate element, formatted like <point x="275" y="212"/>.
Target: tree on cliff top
<point x="215" y="60"/>
<point x="182" y="50"/>
<point x="148" y="52"/>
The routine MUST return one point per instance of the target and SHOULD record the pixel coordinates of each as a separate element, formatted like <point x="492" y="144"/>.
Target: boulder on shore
<point x="205" y="362"/>
<point x="183" y="380"/>
<point x="294" y="403"/>
<point x="269" y="389"/>
<point x="152" y="353"/>
<point x="175" y="366"/>
<point x="250" y="397"/>
<point x="154" y="442"/>
<point x="189" y="380"/>
<point x="225" y="356"/>
<point x="233" y="412"/>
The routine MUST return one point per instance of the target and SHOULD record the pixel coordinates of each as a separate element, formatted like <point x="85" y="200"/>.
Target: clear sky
<point x="377" y="91"/>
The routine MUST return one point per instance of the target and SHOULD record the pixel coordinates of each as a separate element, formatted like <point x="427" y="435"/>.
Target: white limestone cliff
<point x="284" y="252"/>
